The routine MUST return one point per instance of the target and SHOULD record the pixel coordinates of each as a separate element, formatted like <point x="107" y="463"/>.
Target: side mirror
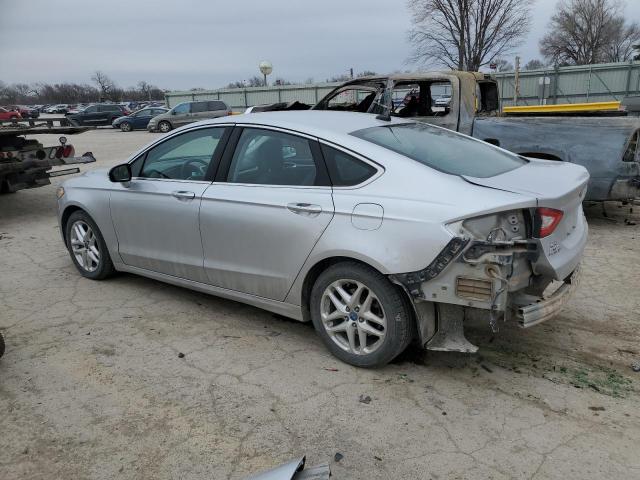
<point x="120" y="173"/>
<point x="173" y="112"/>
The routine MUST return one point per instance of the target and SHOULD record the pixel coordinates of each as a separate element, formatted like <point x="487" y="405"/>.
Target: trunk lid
<point x="557" y="185"/>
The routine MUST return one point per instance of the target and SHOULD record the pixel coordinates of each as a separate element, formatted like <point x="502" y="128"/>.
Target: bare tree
<point x="503" y="65"/>
<point x="534" y="64"/>
<point x="589" y="31"/>
<point x="466" y="34"/>
<point x="104" y="83"/>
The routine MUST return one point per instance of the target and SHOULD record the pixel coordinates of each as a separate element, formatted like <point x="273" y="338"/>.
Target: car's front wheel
<point x="164" y="127"/>
<point x="126" y="127"/>
<point x="87" y="247"/>
<point x="362" y="318"/>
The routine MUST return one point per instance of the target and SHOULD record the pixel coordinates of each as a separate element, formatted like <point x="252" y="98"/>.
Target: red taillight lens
<point x="68" y="151"/>
<point x="548" y="219"/>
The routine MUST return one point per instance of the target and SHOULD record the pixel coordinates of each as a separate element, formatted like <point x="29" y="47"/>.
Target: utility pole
<point x="516" y="92"/>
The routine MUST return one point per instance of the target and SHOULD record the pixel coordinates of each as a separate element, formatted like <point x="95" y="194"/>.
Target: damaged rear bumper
<point x="532" y="313"/>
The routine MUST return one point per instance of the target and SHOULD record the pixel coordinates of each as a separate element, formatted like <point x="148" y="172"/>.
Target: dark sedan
<point x="138" y="120"/>
<point x="99" y="114"/>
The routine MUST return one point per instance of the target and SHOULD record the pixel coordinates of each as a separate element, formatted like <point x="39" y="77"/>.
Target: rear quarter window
<point x="442" y="149"/>
<point x="345" y="170"/>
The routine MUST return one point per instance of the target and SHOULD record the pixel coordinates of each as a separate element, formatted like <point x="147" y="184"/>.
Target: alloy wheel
<point x="84" y="246"/>
<point x="353" y="316"/>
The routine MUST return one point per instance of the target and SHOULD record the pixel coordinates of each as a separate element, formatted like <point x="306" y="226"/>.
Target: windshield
<point x="442" y="149"/>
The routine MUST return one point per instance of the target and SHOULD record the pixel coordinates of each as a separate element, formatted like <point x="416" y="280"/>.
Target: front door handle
<point x="308" y="209"/>
<point x="183" y="195"/>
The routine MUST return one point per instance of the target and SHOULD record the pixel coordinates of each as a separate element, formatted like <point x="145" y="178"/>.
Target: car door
<point x="89" y="116"/>
<point x="181" y="114"/>
<point x="269" y="205"/>
<point x="141" y="118"/>
<point x="156" y="214"/>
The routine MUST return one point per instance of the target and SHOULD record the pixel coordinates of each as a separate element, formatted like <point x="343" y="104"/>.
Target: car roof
<point x="318" y="123"/>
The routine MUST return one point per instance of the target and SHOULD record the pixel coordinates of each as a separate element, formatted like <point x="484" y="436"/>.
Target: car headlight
<point x="59" y="192"/>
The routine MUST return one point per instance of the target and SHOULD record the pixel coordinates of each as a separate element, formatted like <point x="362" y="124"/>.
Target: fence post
<point x="279" y="95"/>
<point x="629" y="70"/>
<point x="555" y="85"/>
<point x="245" y="97"/>
<point x="589" y="83"/>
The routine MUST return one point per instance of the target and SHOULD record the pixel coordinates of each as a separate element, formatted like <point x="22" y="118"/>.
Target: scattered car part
<point x="295" y="470"/>
<point x="26" y="163"/>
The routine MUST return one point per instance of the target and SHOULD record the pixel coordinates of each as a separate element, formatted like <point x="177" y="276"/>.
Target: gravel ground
<point x="92" y="385"/>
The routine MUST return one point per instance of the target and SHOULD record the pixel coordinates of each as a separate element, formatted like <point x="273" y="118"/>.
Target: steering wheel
<point x="153" y="170"/>
<point x="187" y="169"/>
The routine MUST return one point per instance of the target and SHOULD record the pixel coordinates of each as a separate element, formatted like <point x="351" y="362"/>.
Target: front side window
<point x="183" y="157"/>
<point x="442" y="149"/>
<point x="182" y="108"/>
<point x="267" y="157"/>
<point x="91" y="109"/>
<point x="352" y="99"/>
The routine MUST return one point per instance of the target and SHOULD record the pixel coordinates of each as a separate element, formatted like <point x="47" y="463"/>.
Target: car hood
<point x="120" y="119"/>
<point x="551" y="182"/>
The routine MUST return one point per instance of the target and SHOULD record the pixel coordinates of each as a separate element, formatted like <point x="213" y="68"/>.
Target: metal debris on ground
<point x="635" y="366"/>
<point x="365" y="399"/>
<point x="180" y="355"/>
<point x="294" y="470"/>
<point x="338" y="456"/>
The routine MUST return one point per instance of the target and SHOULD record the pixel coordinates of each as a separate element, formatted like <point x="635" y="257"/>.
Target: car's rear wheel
<point x="362" y="318"/>
<point x="87" y="247"/>
<point x="164" y="127"/>
<point x="126" y="127"/>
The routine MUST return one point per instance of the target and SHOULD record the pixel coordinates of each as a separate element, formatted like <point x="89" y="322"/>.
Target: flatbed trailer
<point x="26" y="163"/>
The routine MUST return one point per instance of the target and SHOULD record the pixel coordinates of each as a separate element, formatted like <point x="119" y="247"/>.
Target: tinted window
<point x="143" y="113"/>
<point x="198" y="107"/>
<point x="91" y="109"/>
<point x="158" y="112"/>
<point x="217" y="105"/>
<point x="267" y="157"/>
<point x="184" y="157"/>
<point x="182" y="108"/>
<point x="443" y="149"/>
<point x="345" y="170"/>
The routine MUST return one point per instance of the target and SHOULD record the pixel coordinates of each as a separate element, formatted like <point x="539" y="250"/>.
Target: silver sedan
<point x="380" y="232"/>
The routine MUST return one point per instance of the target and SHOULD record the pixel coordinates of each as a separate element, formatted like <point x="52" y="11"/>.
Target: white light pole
<point x="266" y="68"/>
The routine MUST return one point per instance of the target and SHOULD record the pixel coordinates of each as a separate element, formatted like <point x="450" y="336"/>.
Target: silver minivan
<point x="188" y="112"/>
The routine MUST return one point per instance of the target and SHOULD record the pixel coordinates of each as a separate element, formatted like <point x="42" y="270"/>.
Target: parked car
<point x="60" y="108"/>
<point x="188" y="112"/>
<point x="99" y="114"/>
<point x="137" y="120"/>
<point x="324" y="216"/>
<point x="443" y="101"/>
<point x="9" y="114"/>
<point x="25" y="112"/>
<point x="73" y="109"/>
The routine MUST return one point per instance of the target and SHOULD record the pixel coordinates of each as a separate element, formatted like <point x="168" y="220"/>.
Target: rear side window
<point x="198" y="107"/>
<point x="345" y="170"/>
<point x="442" y="149"/>
<point x="217" y="105"/>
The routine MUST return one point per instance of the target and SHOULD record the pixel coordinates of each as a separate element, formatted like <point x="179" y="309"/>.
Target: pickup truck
<point x="607" y="146"/>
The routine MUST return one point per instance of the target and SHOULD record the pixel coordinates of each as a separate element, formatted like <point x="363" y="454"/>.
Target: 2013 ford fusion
<point x="379" y="231"/>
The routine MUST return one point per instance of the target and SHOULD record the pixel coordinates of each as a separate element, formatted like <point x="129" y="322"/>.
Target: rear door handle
<point x="183" y="195"/>
<point x="308" y="209"/>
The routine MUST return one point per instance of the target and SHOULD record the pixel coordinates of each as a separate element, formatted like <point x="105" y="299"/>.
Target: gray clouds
<point x="198" y="43"/>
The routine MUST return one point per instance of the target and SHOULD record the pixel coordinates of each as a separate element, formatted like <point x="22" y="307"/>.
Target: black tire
<point x="126" y="127"/>
<point x="104" y="268"/>
<point x="1" y="345"/>
<point x="164" y="126"/>
<point x="400" y="325"/>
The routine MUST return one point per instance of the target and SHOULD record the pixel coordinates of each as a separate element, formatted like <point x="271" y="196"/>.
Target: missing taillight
<point x="546" y="221"/>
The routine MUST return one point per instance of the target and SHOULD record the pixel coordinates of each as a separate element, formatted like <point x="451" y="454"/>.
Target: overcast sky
<point x="199" y="43"/>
